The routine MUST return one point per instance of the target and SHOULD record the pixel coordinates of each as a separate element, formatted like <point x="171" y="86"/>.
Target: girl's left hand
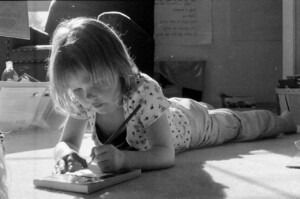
<point x="109" y="158"/>
<point x="69" y="163"/>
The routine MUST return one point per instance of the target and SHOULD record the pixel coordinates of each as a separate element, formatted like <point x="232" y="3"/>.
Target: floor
<point x="236" y="170"/>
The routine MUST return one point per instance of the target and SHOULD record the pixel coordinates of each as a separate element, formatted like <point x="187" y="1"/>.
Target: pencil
<point x="119" y="130"/>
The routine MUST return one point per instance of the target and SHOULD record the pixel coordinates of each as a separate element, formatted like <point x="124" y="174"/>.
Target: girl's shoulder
<point x="144" y="79"/>
<point x="148" y="92"/>
<point x="81" y="112"/>
<point x="146" y="85"/>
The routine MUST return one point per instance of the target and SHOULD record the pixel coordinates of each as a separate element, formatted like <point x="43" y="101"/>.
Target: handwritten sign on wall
<point x="14" y="19"/>
<point x="183" y="22"/>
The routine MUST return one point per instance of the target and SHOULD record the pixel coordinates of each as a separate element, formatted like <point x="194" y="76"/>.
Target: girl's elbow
<point x="170" y="162"/>
<point x="164" y="157"/>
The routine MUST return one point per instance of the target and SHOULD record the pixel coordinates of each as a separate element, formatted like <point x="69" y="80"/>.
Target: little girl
<point x="95" y="81"/>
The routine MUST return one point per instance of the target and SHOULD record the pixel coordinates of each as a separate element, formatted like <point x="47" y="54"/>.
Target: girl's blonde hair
<point x="89" y="49"/>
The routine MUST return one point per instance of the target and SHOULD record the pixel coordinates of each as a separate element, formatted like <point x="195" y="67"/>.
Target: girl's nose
<point x="90" y="95"/>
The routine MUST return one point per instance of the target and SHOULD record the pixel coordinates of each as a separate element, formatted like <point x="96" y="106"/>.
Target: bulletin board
<point x="256" y="20"/>
<point x="178" y="22"/>
<point x="14" y="19"/>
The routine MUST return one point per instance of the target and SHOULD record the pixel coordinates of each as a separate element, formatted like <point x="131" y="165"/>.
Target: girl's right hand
<point x="70" y="163"/>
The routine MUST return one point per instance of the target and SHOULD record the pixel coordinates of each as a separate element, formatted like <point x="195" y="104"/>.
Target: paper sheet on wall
<point x="18" y="104"/>
<point x="14" y="19"/>
<point x="180" y="22"/>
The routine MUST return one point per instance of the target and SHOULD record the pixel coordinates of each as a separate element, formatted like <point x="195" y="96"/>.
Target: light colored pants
<point x="225" y="125"/>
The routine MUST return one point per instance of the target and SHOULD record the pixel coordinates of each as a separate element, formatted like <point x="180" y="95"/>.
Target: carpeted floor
<point x="236" y="170"/>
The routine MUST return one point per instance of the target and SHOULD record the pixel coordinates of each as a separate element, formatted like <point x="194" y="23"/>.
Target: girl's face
<point x="96" y="96"/>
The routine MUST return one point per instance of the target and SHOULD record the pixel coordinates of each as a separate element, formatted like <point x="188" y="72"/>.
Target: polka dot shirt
<point x="154" y="105"/>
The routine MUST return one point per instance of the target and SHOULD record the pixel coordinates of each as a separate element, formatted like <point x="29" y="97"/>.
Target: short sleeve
<point x="153" y="101"/>
<point x="81" y="112"/>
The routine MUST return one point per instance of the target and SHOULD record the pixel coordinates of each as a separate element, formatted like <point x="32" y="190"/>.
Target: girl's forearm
<point x="155" y="158"/>
<point x="71" y="137"/>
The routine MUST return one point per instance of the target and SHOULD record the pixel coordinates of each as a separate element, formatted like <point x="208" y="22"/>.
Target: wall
<point x="297" y="38"/>
<point x="250" y="67"/>
<point x="288" y="37"/>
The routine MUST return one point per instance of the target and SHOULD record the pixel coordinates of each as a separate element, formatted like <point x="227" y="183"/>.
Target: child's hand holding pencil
<point x="108" y="158"/>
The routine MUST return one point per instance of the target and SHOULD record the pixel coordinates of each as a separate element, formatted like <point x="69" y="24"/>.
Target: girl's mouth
<point x="97" y="105"/>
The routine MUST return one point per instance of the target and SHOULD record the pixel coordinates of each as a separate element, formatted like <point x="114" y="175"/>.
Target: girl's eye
<point x="77" y="90"/>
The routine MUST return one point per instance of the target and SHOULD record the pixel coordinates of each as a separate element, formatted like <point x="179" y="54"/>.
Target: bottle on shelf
<point x="9" y="74"/>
